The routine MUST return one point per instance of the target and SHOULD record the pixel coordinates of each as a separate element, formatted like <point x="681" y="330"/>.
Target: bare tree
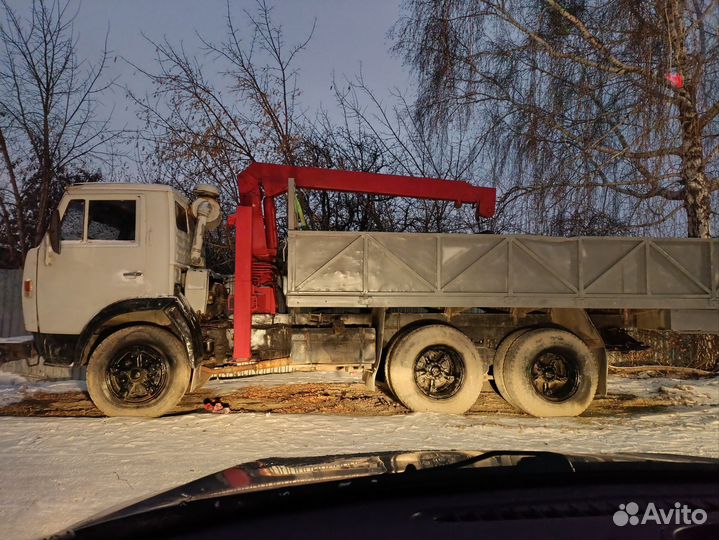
<point x="342" y="143"/>
<point x="209" y="124"/>
<point x="48" y="127"/>
<point x="208" y="117"/>
<point x="598" y="109"/>
<point x="405" y="145"/>
<point x="206" y="124"/>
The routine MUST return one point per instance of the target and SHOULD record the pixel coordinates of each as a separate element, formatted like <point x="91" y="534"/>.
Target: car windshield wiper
<point x="543" y="462"/>
<point x="532" y="461"/>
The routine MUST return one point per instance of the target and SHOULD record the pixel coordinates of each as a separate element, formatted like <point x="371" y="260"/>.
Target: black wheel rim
<point x="439" y="371"/>
<point x="137" y="374"/>
<point x="555" y="374"/>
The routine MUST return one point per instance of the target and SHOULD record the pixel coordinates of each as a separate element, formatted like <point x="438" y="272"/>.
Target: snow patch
<point x="16" y="339"/>
<point x="14" y="388"/>
<point x="11" y="379"/>
<point x="58" y="387"/>
<point x="57" y="471"/>
<point x="688" y="394"/>
<point x="680" y="391"/>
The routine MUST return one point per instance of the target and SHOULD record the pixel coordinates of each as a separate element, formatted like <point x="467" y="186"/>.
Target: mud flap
<point x="199" y="378"/>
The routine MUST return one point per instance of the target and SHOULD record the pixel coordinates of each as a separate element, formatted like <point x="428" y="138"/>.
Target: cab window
<point x="111" y="220"/>
<point x="180" y="217"/>
<point x="73" y="221"/>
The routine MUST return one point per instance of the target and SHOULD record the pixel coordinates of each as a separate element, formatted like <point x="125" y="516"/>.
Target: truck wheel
<point x="138" y="371"/>
<point x="436" y="368"/>
<point x="550" y="372"/>
<point x="388" y="353"/>
<point x="498" y="366"/>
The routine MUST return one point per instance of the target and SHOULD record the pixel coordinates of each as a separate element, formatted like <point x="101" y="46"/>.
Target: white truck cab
<point x="117" y="242"/>
<point x="116" y="262"/>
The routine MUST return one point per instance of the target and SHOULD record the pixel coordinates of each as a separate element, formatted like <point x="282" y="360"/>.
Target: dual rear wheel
<point x="546" y="372"/>
<point x="543" y="372"/>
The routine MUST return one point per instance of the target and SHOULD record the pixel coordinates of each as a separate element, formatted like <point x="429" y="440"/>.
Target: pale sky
<point x="349" y="36"/>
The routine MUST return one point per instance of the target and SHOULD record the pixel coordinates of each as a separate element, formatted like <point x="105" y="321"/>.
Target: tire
<point x="457" y="370"/>
<point x="388" y="354"/>
<point x="498" y="366"/>
<point x="138" y="371"/>
<point x="396" y="338"/>
<point x="549" y="372"/>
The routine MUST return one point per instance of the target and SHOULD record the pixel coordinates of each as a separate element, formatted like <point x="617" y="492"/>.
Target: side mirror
<point x="53" y="232"/>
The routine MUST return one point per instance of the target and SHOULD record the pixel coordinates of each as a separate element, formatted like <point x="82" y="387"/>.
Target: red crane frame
<point x="255" y="223"/>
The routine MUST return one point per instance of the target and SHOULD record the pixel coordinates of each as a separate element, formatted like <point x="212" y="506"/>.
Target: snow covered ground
<point x="57" y="471"/>
<point x="16" y="339"/>
<point x="13" y="387"/>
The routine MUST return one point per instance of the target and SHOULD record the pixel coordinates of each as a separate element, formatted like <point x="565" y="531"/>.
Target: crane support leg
<point x="242" y="222"/>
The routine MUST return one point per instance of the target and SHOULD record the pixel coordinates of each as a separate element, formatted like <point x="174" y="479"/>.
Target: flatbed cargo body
<point x="410" y="270"/>
<point x="346" y="269"/>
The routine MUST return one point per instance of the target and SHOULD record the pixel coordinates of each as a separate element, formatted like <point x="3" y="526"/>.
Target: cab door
<point x="102" y="260"/>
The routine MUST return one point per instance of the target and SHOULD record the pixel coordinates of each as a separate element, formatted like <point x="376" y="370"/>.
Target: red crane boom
<point x="256" y="224"/>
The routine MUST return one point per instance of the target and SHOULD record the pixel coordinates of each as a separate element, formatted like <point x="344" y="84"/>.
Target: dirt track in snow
<point x="351" y="399"/>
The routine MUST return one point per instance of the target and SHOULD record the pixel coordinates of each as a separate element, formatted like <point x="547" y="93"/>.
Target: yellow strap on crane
<point x="300" y="213"/>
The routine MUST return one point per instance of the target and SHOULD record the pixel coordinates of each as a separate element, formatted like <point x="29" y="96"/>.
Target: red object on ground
<point x="255" y="224"/>
<point x="675" y="79"/>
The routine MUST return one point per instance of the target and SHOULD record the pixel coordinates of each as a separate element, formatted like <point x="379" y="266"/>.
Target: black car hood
<point x="275" y="473"/>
